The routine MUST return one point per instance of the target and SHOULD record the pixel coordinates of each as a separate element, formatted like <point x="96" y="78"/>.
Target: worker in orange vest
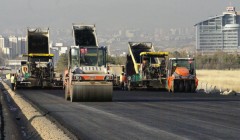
<point x="124" y="81"/>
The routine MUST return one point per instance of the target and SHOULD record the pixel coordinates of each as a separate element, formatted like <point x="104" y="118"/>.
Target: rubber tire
<point x="193" y="87"/>
<point x="181" y="86"/>
<point x="187" y="87"/>
<point x="175" y="86"/>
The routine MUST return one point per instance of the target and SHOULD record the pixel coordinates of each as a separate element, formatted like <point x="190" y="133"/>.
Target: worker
<point x="145" y="68"/>
<point x="163" y="69"/>
<point x="13" y="82"/>
<point x="124" y="81"/>
<point x="175" y="65"/>
<point x="145" y="62"/>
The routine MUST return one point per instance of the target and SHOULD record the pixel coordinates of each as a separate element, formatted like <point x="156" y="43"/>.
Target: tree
<point x="219" y="60"/>
<point x="177" y="54"/>
<point x="62" y="63"/>
<point x="111" y="60"/>
<point x="119" y="60"/>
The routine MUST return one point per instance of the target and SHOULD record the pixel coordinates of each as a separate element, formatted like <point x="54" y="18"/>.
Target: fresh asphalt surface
<point x="144" y="115"/>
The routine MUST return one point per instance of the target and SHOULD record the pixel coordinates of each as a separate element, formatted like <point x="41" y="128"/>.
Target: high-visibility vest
<point x="12" y="79"/>
<point x="124" y="78"/>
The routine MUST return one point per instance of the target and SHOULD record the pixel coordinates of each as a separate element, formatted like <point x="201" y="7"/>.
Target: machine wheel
<point x="67" y="95"/>
<point x="175" y="86"/>
<point x="193" y="88"/>
<point x="181" y="86"/>
<point x="187" y="86"/>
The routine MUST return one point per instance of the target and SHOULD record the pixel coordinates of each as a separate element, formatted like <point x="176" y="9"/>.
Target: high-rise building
<point x="219" y="33"/>
<point x="55" y="52"/>
<point x="22" y="45"/>
<point x="13" y="46"/>
<point x="2" y="44"/>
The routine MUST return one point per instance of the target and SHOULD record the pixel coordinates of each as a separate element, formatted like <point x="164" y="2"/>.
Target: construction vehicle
<point x="86" y="78"/>
<point x="38" y="69"/>
<point x="145" y="68"/>
<point x="57" y="81"/>
<point x="181" y="75"/>
<point x="118" y="72"/>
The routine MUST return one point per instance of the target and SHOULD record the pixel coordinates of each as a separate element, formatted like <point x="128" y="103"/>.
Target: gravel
<point x="45" y="128"/>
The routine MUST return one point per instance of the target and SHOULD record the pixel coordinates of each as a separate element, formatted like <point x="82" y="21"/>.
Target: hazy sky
<point x="109" y="13"/>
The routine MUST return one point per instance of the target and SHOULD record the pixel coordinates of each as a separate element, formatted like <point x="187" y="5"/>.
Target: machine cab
<point x="87" y="56"/>
<point x="188" y="63"/>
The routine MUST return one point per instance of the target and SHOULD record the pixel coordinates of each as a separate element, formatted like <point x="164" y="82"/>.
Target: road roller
<point x="87" y="78"/>
<point x="181" y="75"/>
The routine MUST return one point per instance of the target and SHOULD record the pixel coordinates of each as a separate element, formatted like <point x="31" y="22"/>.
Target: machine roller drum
<point x="91" y="91"/>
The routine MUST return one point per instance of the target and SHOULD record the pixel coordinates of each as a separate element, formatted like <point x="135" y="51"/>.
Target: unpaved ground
<point x="14" y="126"/>
<point x="46" y="129"/>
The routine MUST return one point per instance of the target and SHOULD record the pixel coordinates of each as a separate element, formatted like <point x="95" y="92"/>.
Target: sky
<point x="109" y="14"/>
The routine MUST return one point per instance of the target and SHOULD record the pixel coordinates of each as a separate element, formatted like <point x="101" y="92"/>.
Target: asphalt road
<point x="144" y="115"/>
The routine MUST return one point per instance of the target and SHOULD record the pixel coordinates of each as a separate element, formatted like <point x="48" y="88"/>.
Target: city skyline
<point x="176" y="35"/>
<point x="108" y="14"/>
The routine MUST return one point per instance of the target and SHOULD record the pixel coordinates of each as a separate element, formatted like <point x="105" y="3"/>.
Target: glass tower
<point x="219" y="33"/>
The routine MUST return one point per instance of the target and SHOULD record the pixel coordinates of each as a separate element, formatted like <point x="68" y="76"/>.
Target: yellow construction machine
<point x="38" y="69"/>
<point x="145" y="68"/>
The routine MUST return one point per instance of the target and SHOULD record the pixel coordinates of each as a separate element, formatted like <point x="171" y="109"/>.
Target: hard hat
<point x="175" y="64"/>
